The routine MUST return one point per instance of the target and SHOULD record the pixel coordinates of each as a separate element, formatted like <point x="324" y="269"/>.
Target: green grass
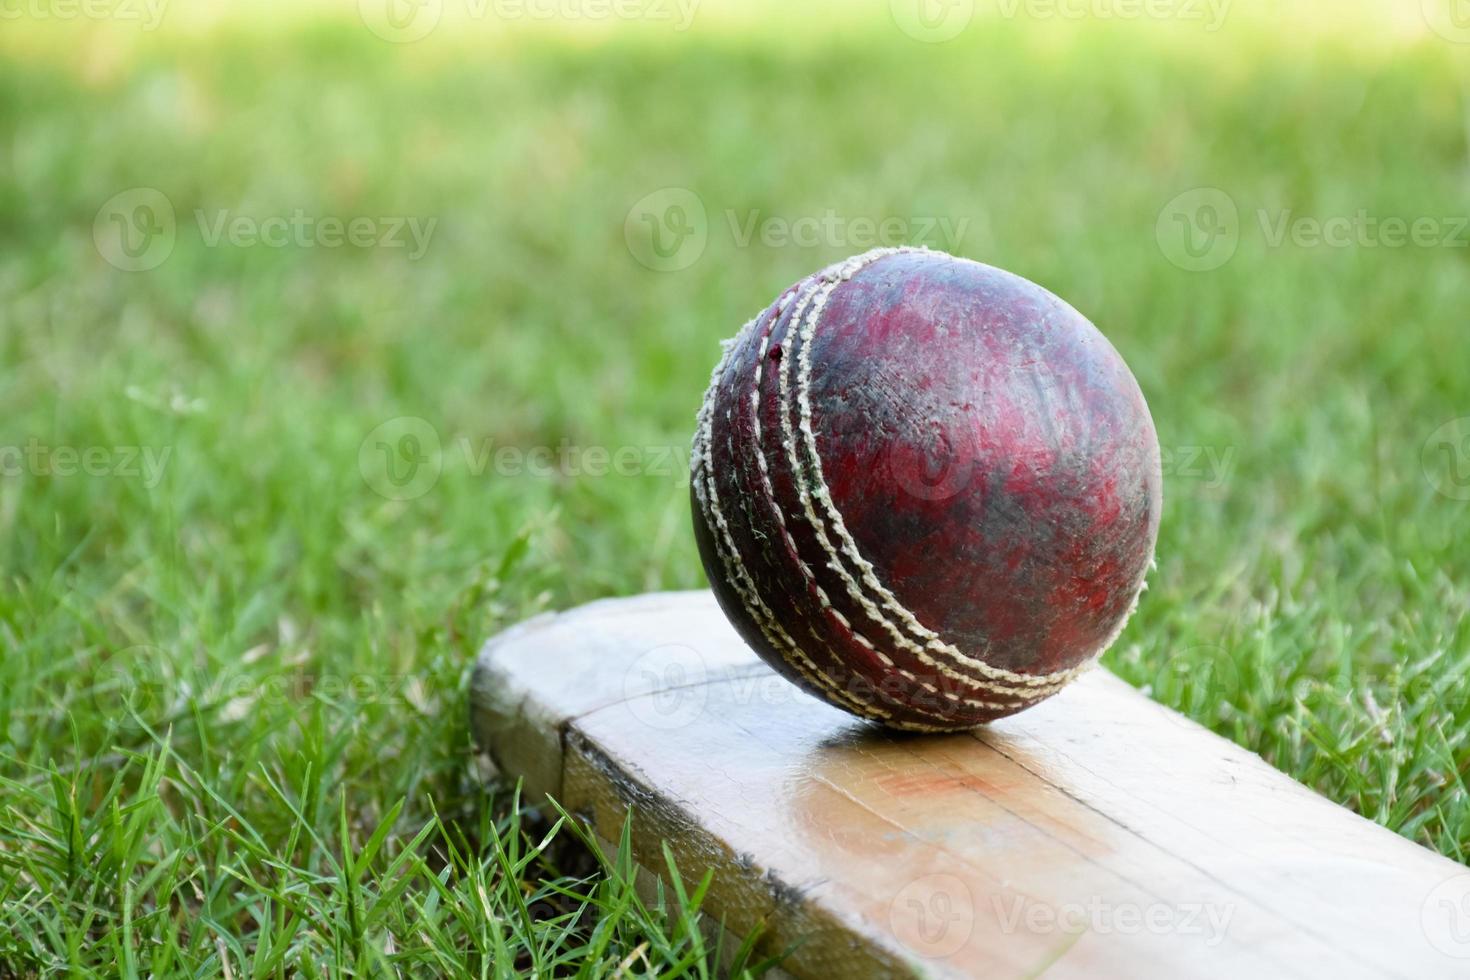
<point x="232" y="726"/>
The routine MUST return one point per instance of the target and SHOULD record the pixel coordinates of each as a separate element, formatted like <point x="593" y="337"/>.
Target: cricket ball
<point x="924" y="489"/>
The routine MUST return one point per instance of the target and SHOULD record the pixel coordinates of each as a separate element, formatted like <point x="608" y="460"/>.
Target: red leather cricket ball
<point x="924" y="489"/>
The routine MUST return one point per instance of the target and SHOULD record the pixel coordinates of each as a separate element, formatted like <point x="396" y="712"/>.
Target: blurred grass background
<point x="216" y="687"/>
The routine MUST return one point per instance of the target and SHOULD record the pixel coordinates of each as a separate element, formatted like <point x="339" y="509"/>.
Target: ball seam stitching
<point x="1022" y="685"/>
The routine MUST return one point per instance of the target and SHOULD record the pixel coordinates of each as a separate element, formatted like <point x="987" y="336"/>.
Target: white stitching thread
<point x="1029" y="684"/>
<point x="804" y="317"/>
<point x="811" y="581"/>
<point x="789" y="443"/>
<point x="739" y="577"/>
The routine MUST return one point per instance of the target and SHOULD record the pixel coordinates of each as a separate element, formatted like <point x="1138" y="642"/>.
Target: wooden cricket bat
<point x="1095" y="835"/>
